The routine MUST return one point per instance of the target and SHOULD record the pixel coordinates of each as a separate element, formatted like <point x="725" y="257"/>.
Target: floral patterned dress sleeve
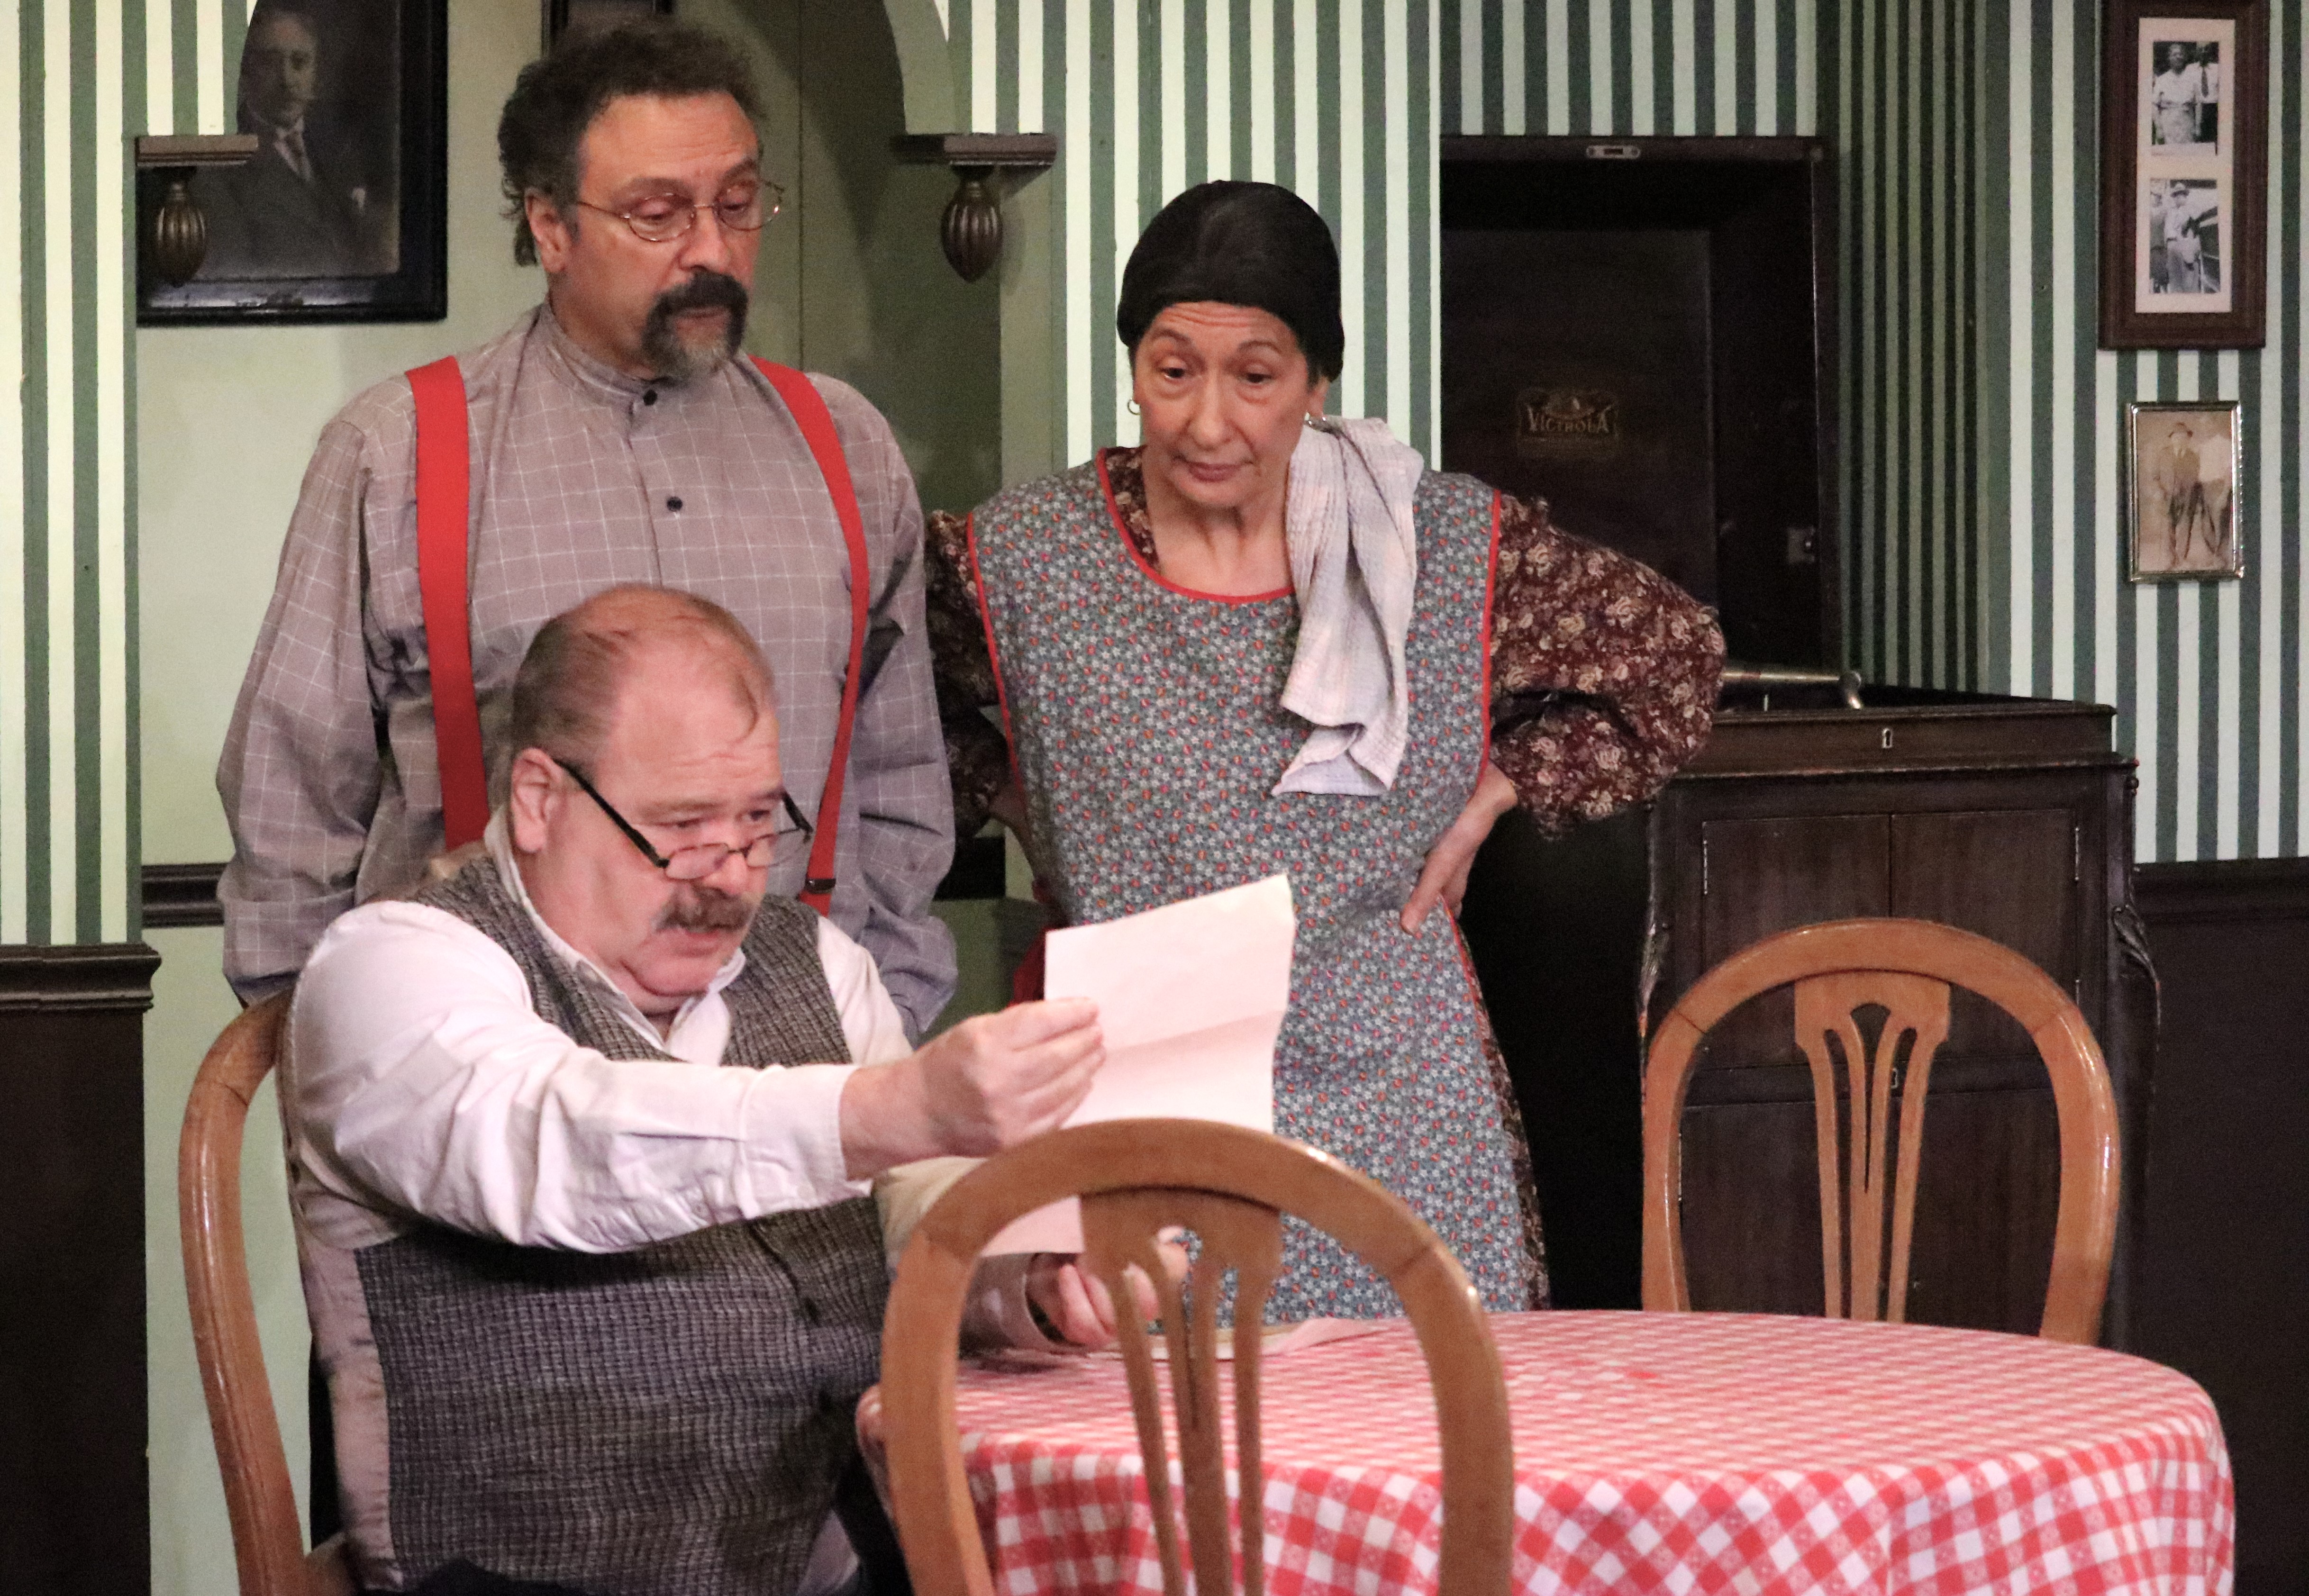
<point x="978" y="754"/>
<point x="1604" y="672"/>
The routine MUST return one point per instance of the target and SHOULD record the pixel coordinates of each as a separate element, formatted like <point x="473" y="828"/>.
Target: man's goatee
<point x="663" y="346"/>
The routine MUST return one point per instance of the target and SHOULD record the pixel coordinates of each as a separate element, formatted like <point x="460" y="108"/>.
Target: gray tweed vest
<point x="668" y="1421"/>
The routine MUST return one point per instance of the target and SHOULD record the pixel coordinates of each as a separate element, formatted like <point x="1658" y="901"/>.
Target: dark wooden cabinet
<point x="2010" y="818"/>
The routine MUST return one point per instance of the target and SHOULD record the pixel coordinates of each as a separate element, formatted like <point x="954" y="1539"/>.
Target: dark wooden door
<point x="1642" y="333"/>
<point x="1576" y="368"/>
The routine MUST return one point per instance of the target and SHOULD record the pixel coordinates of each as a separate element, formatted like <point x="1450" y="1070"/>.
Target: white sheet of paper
<point x="1190" y="998"/>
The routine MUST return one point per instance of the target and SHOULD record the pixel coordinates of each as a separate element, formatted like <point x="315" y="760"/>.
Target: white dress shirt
<point x="421" y="1084"/>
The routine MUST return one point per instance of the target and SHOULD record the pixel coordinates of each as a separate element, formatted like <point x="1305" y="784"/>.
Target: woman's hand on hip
<point x="1444" y="877"/>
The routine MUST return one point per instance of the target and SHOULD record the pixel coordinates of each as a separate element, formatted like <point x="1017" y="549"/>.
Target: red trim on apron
<point x="1114" y="514"/>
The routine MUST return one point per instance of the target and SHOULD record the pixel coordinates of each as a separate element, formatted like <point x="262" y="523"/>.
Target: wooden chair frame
<point x="1907" y="967"/>
<point x="268" y="1543"/>
<point x="1228" y="1185"/>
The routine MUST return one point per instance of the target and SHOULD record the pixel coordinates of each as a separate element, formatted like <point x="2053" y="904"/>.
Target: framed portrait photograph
<point x="2184" y="106"/>
<point x="341" y="215"/>
<point x="2181" y="465"/>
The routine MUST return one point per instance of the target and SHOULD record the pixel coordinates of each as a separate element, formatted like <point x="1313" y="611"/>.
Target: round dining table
<point x="1682" y="1453"/>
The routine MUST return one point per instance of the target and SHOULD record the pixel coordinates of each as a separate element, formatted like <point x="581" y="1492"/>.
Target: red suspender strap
<point x="444" y="514"/>
<point x="816" y="423"/>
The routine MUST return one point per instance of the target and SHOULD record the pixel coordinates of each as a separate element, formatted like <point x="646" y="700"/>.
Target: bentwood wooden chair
<point x="268" y="1546"/>
<point x="1230" y="1186"/>
<point x="1907" y="968"/>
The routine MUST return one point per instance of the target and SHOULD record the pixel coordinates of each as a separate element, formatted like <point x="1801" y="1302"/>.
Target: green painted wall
<point x="850" y="278"/>
<point x="74" y="71"/>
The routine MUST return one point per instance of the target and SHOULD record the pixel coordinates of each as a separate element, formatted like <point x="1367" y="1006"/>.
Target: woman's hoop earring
<point x="1131" y="405"/>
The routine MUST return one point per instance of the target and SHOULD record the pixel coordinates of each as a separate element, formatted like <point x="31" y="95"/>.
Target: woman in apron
<point x="1269" y="641"/>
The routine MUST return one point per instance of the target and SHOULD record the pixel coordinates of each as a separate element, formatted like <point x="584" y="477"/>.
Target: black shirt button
<point x="674" y="504"/>
<point x="649" y="396"/>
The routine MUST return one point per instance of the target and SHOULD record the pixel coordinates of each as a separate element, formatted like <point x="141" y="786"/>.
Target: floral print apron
<point x="1146" y="724"/>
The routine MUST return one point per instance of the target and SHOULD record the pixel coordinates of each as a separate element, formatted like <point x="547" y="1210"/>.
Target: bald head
<point x="569" y="690"/>
<point x="644" y="732"/>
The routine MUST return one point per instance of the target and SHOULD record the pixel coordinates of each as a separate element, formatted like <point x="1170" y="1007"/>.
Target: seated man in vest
<point x="594" y="1312"/>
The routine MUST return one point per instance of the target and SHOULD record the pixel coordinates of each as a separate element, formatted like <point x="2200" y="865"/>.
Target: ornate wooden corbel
<point x="173" y="234"/>
<point x="971" y="229"/>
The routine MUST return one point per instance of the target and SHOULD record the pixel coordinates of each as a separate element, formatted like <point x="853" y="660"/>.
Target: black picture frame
<point x="373" y="126"/>
<point x="2224" y="159"/>
<point x="561" y="14"/>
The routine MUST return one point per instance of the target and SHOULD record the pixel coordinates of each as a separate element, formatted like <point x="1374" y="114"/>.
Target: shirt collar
<point x="587" y="372"/>
<point x="597" y="379"/>
<point x="499" y="841"/>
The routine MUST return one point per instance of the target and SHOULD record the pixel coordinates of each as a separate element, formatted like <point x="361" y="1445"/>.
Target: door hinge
<point x="2077" y="851"/>
<point x="1703" y="864"/>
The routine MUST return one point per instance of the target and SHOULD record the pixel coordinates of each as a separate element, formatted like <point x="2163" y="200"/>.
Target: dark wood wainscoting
<point x="72" y="1513"/>
<point x="180" y="895"/>
<point x="2224" y="1293"/>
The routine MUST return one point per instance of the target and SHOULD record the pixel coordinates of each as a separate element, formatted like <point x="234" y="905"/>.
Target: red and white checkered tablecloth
<point x="1686" y="1454"/>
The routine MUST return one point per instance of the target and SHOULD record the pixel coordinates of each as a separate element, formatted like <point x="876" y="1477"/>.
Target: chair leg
<point x="871" y="1534"/>
<point x="324" y="1511"/>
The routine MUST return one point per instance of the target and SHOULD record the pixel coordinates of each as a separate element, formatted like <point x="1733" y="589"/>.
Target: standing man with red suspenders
<point x="615" y="435"/>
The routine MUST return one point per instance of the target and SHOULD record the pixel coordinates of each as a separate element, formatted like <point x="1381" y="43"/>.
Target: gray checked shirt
<point x="582" y="478"/>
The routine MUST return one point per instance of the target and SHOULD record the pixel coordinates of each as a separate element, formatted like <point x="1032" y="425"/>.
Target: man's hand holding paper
<point x="1190" y="998"/>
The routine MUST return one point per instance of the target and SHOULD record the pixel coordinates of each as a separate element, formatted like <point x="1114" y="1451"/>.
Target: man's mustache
<point x="708" y="290"/>
<point x="704" y="909"/>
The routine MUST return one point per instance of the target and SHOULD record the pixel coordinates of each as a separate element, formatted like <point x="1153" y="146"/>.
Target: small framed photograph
<point x="340" y="216"/>
<point x="2183" y="160"/>
<point x="2181" y="465"/>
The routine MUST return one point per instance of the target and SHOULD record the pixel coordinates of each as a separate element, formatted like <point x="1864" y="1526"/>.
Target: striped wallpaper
<point x="2211" y="678"/>
<point x="1980" y="424"/>
<point x="72" y="68"/>
<point x="85" y="76"/>
<point x="1669" y="67"/>
<point x="1342" y="100"/>
<point x="1329" y="97"/>
<point x="1904" y="88"/>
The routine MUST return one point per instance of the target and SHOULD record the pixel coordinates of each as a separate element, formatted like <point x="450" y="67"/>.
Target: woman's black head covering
<point x="1250" y="244"/>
